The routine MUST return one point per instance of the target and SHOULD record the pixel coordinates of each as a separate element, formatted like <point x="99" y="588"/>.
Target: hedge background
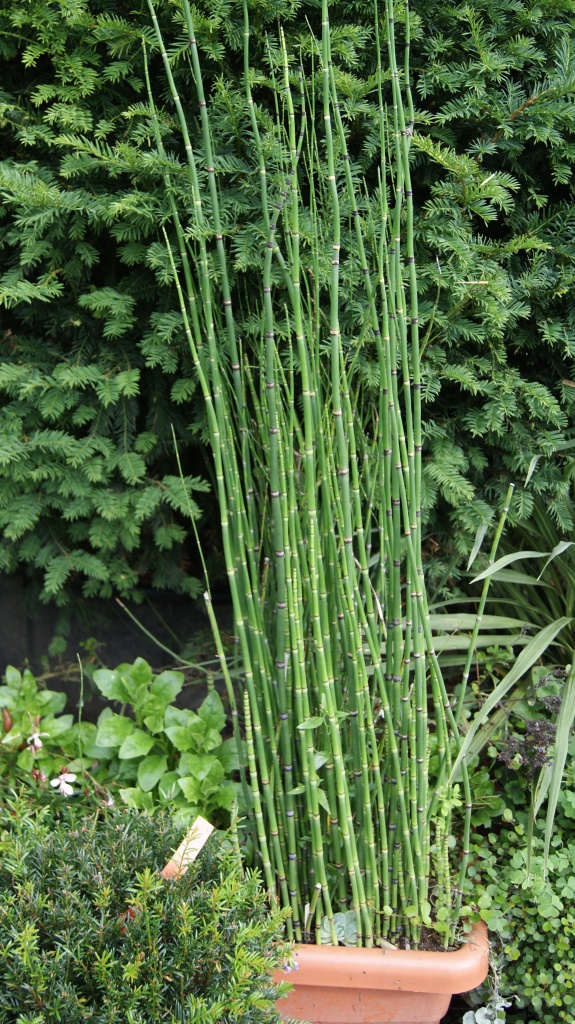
<point x="94" y="370"/>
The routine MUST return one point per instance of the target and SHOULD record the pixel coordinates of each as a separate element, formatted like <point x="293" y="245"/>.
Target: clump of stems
<point x="350" y="731"/>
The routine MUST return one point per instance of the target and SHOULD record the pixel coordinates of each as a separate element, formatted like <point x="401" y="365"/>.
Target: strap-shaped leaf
<point x="528" y="656"/>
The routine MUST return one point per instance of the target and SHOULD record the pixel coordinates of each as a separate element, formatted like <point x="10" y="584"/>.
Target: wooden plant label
<point x="188" y="849"/>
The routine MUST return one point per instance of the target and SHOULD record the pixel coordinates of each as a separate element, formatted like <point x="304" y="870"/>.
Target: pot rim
<point x="453" y="971"/>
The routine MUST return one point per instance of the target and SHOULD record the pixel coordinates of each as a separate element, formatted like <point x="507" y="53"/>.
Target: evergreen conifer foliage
<point x="94" y="369"/>
<point x="496" y="84"/>
<point x="89" y="485"/>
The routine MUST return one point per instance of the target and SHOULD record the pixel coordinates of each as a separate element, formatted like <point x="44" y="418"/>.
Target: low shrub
<point x="90" y="932"/>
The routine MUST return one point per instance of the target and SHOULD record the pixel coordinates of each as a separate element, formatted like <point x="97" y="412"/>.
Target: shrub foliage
<point x="90" y="932"/>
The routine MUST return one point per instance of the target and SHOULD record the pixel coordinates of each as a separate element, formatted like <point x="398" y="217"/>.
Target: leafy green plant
<point x="163" y="755"/>
<point x="150" y="755"/>
<point x="538" y="574"/>
<point x="90" y="931"/>
<point x="34" y="732"/>
<point x="528" y="907"/>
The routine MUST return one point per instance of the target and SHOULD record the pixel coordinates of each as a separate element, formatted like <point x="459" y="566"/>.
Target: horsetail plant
<point x="351" y="735"/>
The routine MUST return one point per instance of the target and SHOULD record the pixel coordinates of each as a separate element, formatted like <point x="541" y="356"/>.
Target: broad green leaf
<point x="153" y="707"/>
<point x="151" y="770"/>
<point x="26" y="759"/>
<point x="56" y="726"/>
<point x="226" y="794"/>
<point x="139" y="672"/>
<point x="525" y="659"/>
<point x="78" y="765"/>
<point x="198" y="765"/>
<point x="227" y="753"/>
<point x="12" y="677"/>
<point x="206" y="739"/>
<point x="154" y="724"/>
<point x="192" y="789"/>
<point x="168" y="787"/>
<point x="110" y="684"/>
<point x="114" y="730"/>
<point x="136" y="798"/>
<point x="177" y="716"/>
<point x="84" y="732"/>
<point x="212" y="711"/>
<point x="167" y="686"/>
<point x="9" y="698"/>
<point x="180" y="737"/>
<point x="29" y="685"/>
<point x="48" y="702"/>
<point x="91" y="749"/>
<point x="137" y="744"/>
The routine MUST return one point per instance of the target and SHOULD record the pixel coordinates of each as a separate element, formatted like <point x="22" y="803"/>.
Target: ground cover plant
<point x="94" y="367"/>
<point x="89" y="931"/>
<point x="526" y="901"/>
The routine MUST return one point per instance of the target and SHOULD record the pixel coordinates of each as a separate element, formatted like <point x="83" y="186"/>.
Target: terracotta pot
<point x="339" y="985"/>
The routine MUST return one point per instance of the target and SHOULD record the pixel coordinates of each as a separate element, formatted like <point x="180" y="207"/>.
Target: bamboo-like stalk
<point x="344" y="701"/>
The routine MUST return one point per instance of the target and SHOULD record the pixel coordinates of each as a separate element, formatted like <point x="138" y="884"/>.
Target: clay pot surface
<point x="340" y="985"/>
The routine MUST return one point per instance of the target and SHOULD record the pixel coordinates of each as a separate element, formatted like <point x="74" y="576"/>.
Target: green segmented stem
<point x="319" y="485"/>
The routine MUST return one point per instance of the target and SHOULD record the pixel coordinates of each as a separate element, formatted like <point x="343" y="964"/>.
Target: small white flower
<point x="62" y="782"/>
<point x="35" y="741"/>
